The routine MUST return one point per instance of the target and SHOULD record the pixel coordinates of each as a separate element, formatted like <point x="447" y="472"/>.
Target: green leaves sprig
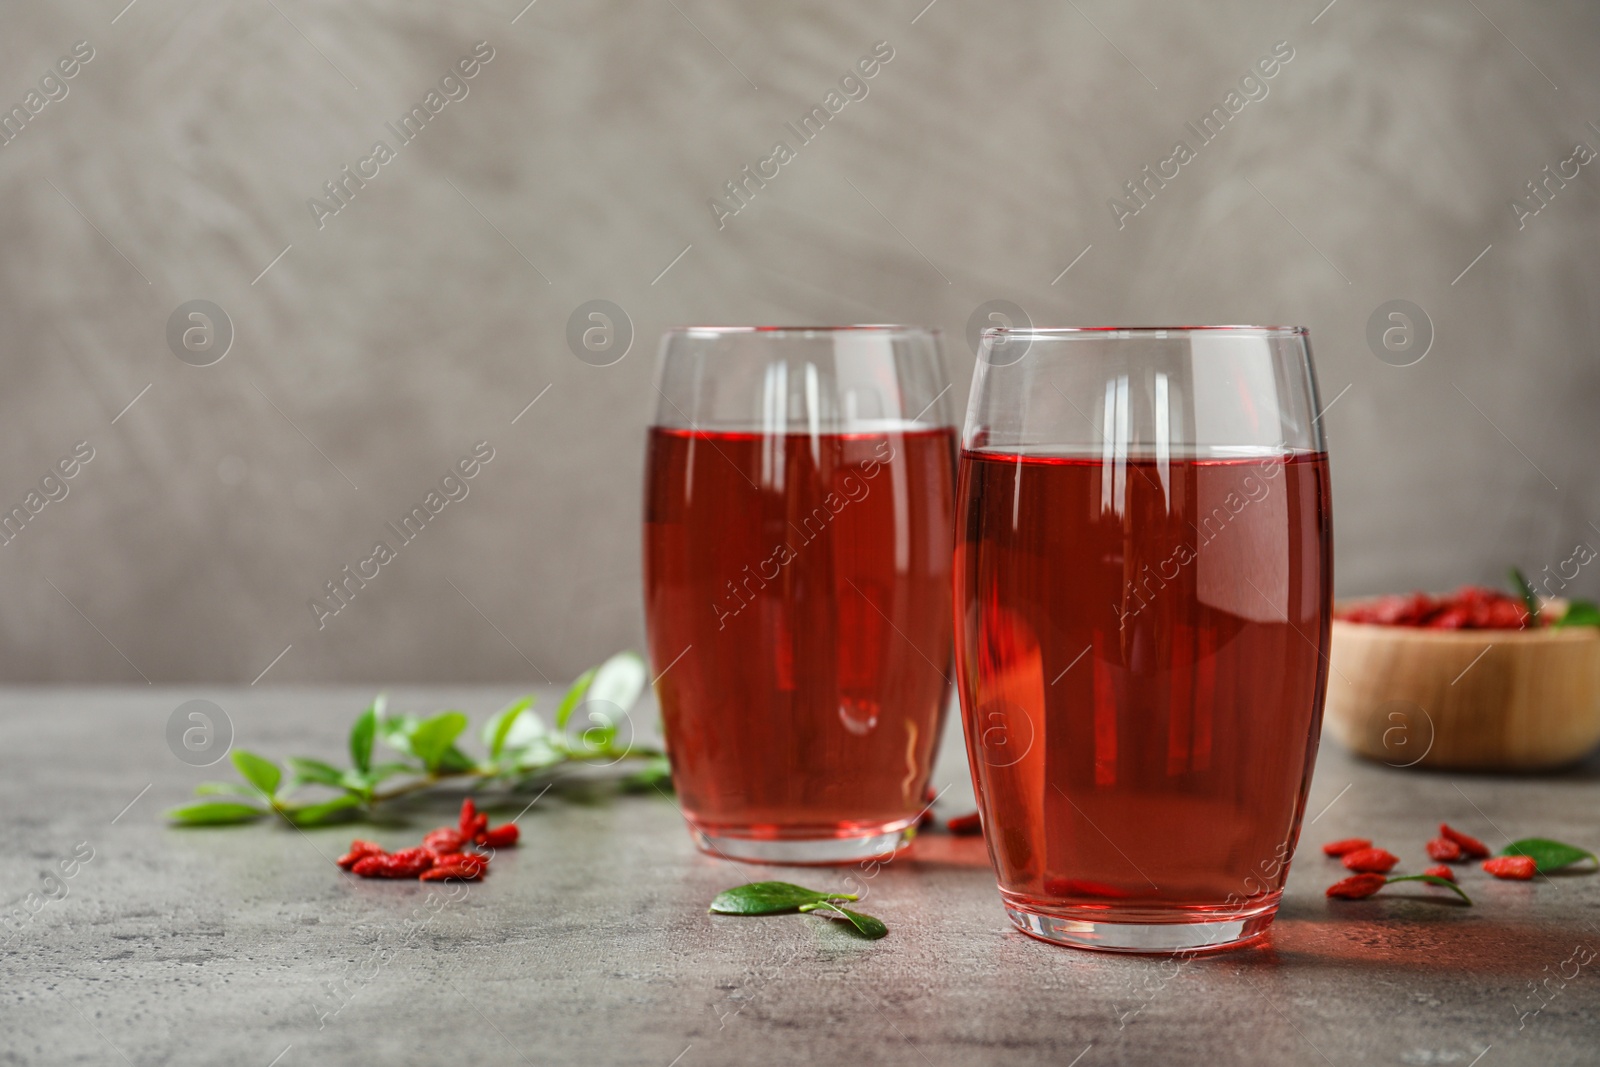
<point x="520" y="749"/>
<point x="778" y="898"/>
<point x="1578" y="612"/>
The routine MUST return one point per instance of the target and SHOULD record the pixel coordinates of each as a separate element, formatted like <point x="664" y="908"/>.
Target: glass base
<point x="1184" y="938"/>
<point x="816" y="851"/>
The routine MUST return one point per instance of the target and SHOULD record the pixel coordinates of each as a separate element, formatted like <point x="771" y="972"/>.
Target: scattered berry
<point x="1441" y="871"/>
<point x="1515" y="868"/>
<point x="1357" y="886"/>
<point x="1371" y="861"/>
<point x="1444" y="850"/>
<point x="965" y="825"/>
<point x="1470" y="846"/>
<point x="359" y="850"/>
<point x="1345" y="847"/>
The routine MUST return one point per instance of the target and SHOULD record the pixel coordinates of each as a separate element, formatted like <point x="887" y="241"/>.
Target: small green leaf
<point x="234" y="789"/>
<point x="314" y="770"/>
<point x="619" y="680"/>
<point x="396" y="731"/>
<point x="569" y="702"/>
<point x="1548" y="855"/>
<point x="1432" y="879"/>
<point x="363" y="731"/>
<point x="656" y="773"/>
<point x="867" y="926"/>
<point x="535" y="756"/>
<point x="328" y="811"/>
<point x="769" y="898"/>
<point x="435" y="736"/>
<point x="1530" y="599"/>
<point x="216" y="813"/>
<point x="1580" y="613"/>
<point x="498" y="728"/>
<point x="261" y="773"/>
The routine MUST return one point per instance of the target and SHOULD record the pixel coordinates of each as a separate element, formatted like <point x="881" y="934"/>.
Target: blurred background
<point x="352" y="350"/>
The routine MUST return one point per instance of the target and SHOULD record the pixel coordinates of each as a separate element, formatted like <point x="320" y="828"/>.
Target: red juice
<point x="808" y="577"/>
<point x="1141" y="661"/>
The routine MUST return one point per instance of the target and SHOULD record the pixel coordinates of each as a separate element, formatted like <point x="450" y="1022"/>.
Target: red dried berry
<point x="406" y="864"/>
<point x="1441" y="871"/>
<point x="1515" y="868"/>
<point x="444" y="839"/>
<point x="1443" y="849"/>
<point x="359" y="850"/>
<point x="463" y="871"/>
<point x="965" y="825"/>
<point x="500" y="837"/>
<point x="462" y="859"/>
<point x="1357" y="886"/>
<point x="1371" y="860"/>
<point x="1470" y="846"/>
<point x="1345" y="847"/>
<point x="472" y="823"/>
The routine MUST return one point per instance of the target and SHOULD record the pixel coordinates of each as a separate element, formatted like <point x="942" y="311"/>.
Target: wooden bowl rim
<point x="1545" y="636"/>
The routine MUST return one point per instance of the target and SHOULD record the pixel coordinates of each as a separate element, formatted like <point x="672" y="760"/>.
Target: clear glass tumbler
<point x="1143" y="580"/>
<point x="799" y="498"/>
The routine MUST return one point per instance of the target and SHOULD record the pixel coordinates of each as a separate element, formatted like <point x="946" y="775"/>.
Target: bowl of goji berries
<point x="1474" y="679"/>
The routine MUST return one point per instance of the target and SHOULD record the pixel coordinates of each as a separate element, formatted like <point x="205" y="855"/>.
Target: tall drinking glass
<point x="799" y="497"/>
<point x="1142" y="589"/>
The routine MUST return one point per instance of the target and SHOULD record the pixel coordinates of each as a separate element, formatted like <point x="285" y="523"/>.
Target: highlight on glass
<point x="1143" y="578"/>
<point x="799" y="516"/>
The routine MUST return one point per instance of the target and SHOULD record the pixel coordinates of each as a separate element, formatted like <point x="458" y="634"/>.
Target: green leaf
<point x="313" y="770"/>
<point x="535" y="756"/>
<point x="867" y="926"/>
<point x="657" y="773"/>
<point x="435" y="736"/>
<point x="216" y="813"/>
<point x="570" y="701"/>
<point x="328" y="811"/>
<point x="498" y="728"/>
<point x="1580" y="613"/>
<point x="1548" y="855"/>
<point x="1530" y="599"/>
<point x="363" y="731"/>
<point x="1432" y="879"/>
<point x="396" y="731"/>
<point x="770" y="898"/>
<point x="208" y="789"/>
<point x="261" y="773"/>
<point x="619" y="680"/>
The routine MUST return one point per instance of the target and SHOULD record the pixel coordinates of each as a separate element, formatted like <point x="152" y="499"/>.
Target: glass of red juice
<point x="1143" y="571"/>
<point x="798" y="529"/>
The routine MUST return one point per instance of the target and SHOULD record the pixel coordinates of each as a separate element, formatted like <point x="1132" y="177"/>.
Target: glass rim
<point x="800" y="331"/>
<point x="1140" y="331"/>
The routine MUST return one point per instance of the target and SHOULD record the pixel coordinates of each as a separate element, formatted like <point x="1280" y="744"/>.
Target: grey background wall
<point x="426" y="314"/>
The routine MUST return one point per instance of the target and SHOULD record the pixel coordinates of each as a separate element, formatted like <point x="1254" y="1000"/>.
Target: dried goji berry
<point x="1441" y="871"/>
<point x="462" y="859"/>
<point x="472" y="823"/>
<point x="406" y="864"/>
<point x="1470" y="846"/>
<point x="1371" y="860"/>
<point x="500" y="837"/>
<point x="1444" y="849"/>
<point x="466" y="872"/>
<point x="1345" y="847"/>
<point x="1357" y="886"/>
<point x="1516" y="868"/>
<point x="965" y="825"/>
<point x="444" y="839"/>
<point x="359" y="850"/>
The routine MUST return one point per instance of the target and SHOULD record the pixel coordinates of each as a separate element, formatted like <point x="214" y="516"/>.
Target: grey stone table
<point x="591" y="943"/>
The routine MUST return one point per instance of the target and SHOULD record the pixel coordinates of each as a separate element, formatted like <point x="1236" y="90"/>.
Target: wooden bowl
<point x="1465" y="699"/>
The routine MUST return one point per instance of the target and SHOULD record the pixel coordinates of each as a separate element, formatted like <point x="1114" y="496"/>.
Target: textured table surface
<point x="591" y="944"/>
